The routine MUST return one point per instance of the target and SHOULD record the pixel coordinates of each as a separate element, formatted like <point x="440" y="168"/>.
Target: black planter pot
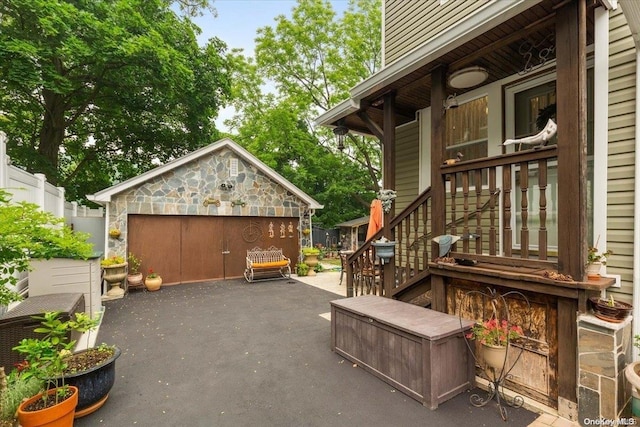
<point x="94" y="385"/>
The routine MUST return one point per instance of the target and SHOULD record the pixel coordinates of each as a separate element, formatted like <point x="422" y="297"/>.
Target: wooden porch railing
<point x="474" y="208"/>
<point x="411" y="232"/>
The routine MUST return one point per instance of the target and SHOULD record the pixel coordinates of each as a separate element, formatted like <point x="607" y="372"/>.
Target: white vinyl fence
<point x="34" y="188"/>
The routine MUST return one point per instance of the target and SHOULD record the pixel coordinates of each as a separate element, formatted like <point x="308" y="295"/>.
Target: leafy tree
<point x="97" y="91"/>
<point x="312" y="59"/>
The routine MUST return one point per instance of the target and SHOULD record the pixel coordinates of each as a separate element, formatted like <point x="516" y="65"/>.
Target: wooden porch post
<point x="571" y="93"/>
<point x="438" y="94"/>
<point x="389" y="180"/>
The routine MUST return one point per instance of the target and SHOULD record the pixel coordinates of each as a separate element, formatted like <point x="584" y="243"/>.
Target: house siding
<point x="621" y="147"/>
<point x="409" y="24"/>
<point x="407" y="164"/>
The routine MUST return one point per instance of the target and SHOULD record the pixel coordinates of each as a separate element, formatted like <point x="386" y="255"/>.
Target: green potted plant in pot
<point x="310" y="256"/>
<point x="632" y="373"/>
<point x="302" y="269"/>
<point x="14" y="389"/>
<point x="494" y="335"/>
<point x="45" y="360"/>
<point x="595" y="261"/>
<point x="115" y="271"/>
<point x="153" y="281"/>
<point x="134" y="275"/>
<point x="91" y="371"/>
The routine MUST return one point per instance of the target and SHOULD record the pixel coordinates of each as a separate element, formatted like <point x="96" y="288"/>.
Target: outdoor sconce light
<point x="340" y="131"/>
<point x="226" y="186"/>
<point x="450" y="102"/>
<point x="385" y="249"/>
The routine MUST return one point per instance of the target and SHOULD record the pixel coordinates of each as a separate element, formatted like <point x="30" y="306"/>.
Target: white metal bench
<point x="266" y="264"/>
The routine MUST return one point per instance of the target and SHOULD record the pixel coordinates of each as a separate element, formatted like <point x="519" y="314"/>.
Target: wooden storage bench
<point x="267" y="264"/>
<point x="419" y="351"/>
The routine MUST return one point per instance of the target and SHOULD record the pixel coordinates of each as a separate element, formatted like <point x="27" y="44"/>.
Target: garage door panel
<point x="156" y="241"/>
<point x="201" y="249"/>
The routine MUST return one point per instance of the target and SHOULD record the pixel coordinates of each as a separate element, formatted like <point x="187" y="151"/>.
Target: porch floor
<point x="233" y="353"/>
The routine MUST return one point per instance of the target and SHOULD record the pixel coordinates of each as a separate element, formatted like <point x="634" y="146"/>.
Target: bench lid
<point x="410" y="318"/>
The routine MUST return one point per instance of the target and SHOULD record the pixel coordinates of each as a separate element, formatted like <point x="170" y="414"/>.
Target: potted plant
<point x="134" y="275"/>
<point x="632" y="373"/>
<point x="595" y="261"/>
<point x="494" y="335"/>
<point x="14" y="389"/>
<point x="311" y="256"/>
<point x="609" y="309"/>
<point x="45" y="361"/>
<point x="153" y="281"/>
<point x="27" y="232"/>
<point x="115" y="270"/>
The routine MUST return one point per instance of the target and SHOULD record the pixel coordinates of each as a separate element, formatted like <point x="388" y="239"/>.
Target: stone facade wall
<point x="197" y="188"/>
<point x="604" y="349"/>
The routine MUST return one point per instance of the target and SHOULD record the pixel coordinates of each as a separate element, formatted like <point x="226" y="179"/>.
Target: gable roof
<point x="104" y="196"/>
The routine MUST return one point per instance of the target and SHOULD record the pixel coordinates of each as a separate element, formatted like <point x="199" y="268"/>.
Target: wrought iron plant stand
<point x="497" y="304"/>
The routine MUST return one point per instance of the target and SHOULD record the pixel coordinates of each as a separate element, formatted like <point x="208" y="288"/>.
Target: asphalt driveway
<point x="230" y="353"/>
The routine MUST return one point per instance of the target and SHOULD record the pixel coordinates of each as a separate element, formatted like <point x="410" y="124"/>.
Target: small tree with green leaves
<point x="28" y="232"/>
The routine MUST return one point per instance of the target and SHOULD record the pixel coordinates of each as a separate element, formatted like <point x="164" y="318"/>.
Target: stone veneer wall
<point x="604" y="349"/>
<point x="182" y="191"/>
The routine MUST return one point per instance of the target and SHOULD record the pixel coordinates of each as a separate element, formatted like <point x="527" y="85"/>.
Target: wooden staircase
<point x="412" y="232"/>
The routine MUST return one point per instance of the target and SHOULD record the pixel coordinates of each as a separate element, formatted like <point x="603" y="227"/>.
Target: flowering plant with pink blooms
<point x="495" y="332"/>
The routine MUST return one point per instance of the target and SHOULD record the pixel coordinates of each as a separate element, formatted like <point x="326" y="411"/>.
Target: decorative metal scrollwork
<point x="537" y="54"/>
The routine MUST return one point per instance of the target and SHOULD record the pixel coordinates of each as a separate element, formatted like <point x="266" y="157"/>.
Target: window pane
<point x="466" y="129"/>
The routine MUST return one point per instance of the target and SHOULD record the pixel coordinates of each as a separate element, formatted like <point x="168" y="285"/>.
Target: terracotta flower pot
<point x="593" y="270"/>
<point x="134" y="280"/>
<point x="60" y="415"/>
<point x="153" y="283"/>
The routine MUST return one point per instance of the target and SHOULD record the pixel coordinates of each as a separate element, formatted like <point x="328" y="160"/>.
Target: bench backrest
<point x="259" y="255"/>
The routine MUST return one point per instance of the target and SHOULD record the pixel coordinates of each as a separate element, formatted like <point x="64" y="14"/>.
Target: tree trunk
<point x="52" y="133"/>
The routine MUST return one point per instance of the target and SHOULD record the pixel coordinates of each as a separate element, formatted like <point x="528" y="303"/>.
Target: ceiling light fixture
<point x="468" y="77"/>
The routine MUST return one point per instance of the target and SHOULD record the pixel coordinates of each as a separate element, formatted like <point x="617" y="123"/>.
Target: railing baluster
<point x="492" y="211"/>
<point x="477" y="174"/>
<point x="453" y="185"/>
<point x="524" y="212"/>
<point x="465" y="210"/>
<point x="542" y="233"/>
<point x="506" y="203"/>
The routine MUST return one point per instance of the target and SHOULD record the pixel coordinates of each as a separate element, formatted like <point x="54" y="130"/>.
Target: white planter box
<point x="62" y="275"/>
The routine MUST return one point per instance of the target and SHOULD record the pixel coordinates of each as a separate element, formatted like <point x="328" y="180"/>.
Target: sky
<point x="238" y="20"/>
<point x="237" y="24"/>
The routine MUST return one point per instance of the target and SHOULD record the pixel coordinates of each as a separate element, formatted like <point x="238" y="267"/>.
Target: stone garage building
<point x="194" y="218"/>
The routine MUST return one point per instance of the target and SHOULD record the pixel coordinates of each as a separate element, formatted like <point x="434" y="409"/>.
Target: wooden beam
<point x="373" y="127"/>
<point x="571" y="97"/>
<point x="438" y="183"/>
<point x="389" y="180"/>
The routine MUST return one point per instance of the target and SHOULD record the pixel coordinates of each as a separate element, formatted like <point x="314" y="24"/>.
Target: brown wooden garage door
<point x="186" y="249"/>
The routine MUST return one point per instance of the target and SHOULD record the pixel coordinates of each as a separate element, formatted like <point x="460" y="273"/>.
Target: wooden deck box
<point x="419" y="351"/>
